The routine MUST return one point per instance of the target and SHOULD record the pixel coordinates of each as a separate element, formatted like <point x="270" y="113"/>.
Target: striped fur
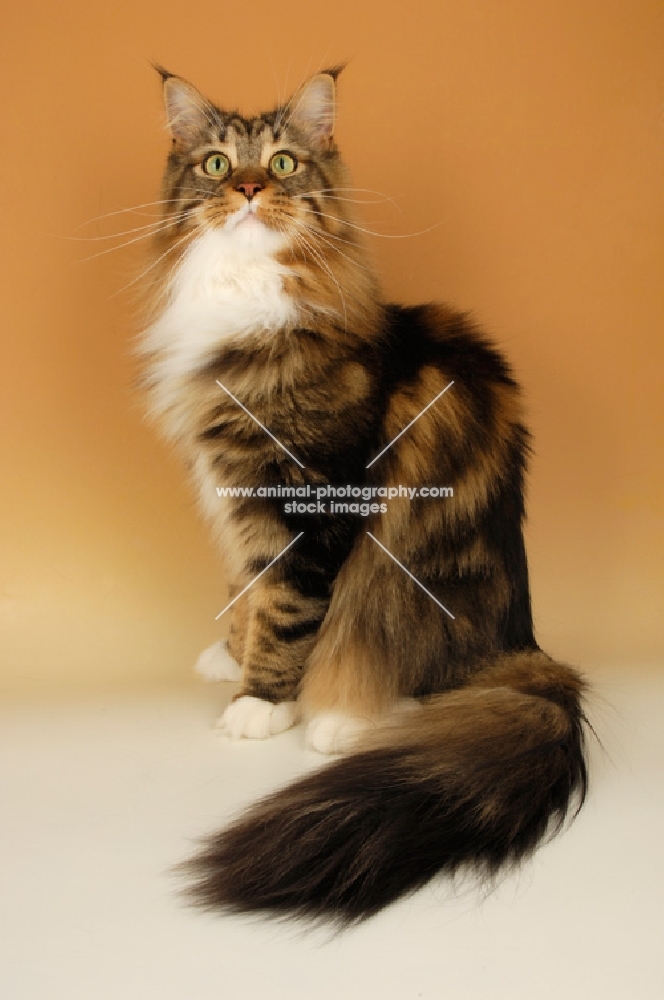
<point x="261" y="283"/>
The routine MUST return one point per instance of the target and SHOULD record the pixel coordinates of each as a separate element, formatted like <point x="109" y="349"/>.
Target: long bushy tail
<point x="473" y="780"/>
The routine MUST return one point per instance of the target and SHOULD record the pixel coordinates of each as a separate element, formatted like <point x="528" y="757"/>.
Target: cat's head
<point x="270" y="184"/>
<point x="280" y="169"/>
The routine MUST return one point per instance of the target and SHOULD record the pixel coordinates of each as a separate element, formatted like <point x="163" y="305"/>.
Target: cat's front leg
<point x="222" y="661"/>
<point x="281" y="629"/>
<point x="237" y="633"/>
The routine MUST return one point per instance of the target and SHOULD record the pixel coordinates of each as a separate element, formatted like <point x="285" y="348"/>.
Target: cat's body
<point x="274" y="362"/>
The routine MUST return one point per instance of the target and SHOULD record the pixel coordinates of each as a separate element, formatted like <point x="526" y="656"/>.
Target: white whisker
<point x="371" y="232"/>
<point x="125" y="232"/>
<point x="317" y="234"/>
<point x="330" y="192"/>
<point x="324" y="265"/>
<point x="166" y="224"/>
<point x="332" y="236"/>
<point x="153" y="264"/>
<point x="134" y="208"/>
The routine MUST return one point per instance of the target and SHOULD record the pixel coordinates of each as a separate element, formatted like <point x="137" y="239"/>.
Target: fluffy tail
<point x="473" y="780"/>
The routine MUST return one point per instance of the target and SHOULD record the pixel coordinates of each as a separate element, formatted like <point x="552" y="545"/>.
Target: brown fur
<point x="495" y="753"/>
<point x="237" y="630"/>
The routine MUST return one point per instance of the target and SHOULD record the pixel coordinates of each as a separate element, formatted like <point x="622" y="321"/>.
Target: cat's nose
<point x="249" y="188"/>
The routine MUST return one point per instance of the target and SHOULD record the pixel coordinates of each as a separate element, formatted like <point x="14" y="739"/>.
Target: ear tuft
<point x="163" y="73"/>
<point x="334" y="71"/>
<point x="188" y="113"/>
<point x="312" y="108"/>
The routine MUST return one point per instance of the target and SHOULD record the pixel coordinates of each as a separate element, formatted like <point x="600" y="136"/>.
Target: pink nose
<point x="249" y="189"/>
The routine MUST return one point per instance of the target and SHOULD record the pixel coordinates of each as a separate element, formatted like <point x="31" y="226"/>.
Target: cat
<point x="404" y="635"/>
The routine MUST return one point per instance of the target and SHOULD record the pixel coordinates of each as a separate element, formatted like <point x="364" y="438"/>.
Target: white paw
<point x="334" y="732"/>
<point x="255" y="719"/>
<point x="216" y="664"/>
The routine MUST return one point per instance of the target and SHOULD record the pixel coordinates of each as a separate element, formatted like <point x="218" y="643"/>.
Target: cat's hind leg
<point x="371" y="653"/>
<point x="344" y="695"/>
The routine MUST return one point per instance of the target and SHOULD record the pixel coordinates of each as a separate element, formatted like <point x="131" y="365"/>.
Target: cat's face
<point x="278" y="170"/>
<point x="248" y="197"/>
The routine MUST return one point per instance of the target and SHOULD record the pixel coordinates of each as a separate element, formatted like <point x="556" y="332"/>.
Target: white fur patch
<point x="334" y="732"/>
<point x="216" y="509"/>
<point x="216" y="664"/>
<point x="227" y="285"/>
<point x="255" y="719"/>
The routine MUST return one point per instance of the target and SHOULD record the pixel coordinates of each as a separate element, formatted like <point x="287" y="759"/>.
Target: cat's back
<point x="436" y="335"/>
<point x="445" y="377"/>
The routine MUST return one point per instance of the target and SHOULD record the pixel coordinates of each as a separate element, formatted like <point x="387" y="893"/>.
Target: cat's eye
<point x="216" y="165"/>
<point x="283" y="164"/>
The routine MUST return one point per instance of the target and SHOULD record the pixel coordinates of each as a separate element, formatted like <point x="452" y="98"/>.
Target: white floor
<point x="100" y="798"/>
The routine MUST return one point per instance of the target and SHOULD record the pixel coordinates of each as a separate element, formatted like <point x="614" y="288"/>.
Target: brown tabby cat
<point x="274" y="361"/>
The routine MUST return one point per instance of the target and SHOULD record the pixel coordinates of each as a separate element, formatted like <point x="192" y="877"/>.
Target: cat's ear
<point x="188" y="113"/>
<point x="313" y="108"/>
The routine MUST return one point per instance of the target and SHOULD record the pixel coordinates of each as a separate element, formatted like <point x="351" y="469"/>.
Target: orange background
<point x="529" y="133"/>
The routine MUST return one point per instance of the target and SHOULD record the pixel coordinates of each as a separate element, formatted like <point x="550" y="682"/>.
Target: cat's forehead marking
<point x="248" y="140"/>
<point x="238" y="126"/>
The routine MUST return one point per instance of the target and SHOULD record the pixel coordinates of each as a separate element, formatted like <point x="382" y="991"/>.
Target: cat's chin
<point x="247" y="231"/>
<point x="246" y="218"/>
<point x="250" y="220"/>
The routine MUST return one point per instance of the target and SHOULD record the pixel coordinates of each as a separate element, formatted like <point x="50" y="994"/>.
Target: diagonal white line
<point x="269" y="433"/>
<point x="387" y="446"/>
<point x="414" y="578"/>
<point x="252" y="582"/>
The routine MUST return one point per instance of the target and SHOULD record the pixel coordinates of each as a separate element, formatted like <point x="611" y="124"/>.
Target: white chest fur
<point x="228" y="284"/>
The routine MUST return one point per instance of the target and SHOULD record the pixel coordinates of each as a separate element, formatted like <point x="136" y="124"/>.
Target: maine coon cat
<point x="404" y="637"/>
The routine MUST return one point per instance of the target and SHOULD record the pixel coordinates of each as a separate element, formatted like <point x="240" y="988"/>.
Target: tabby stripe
<point x="291" y="633"/>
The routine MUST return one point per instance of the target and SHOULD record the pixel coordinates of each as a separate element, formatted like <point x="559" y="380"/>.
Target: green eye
<point x="282" y="164"/>
<point x="217" y="165"/>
